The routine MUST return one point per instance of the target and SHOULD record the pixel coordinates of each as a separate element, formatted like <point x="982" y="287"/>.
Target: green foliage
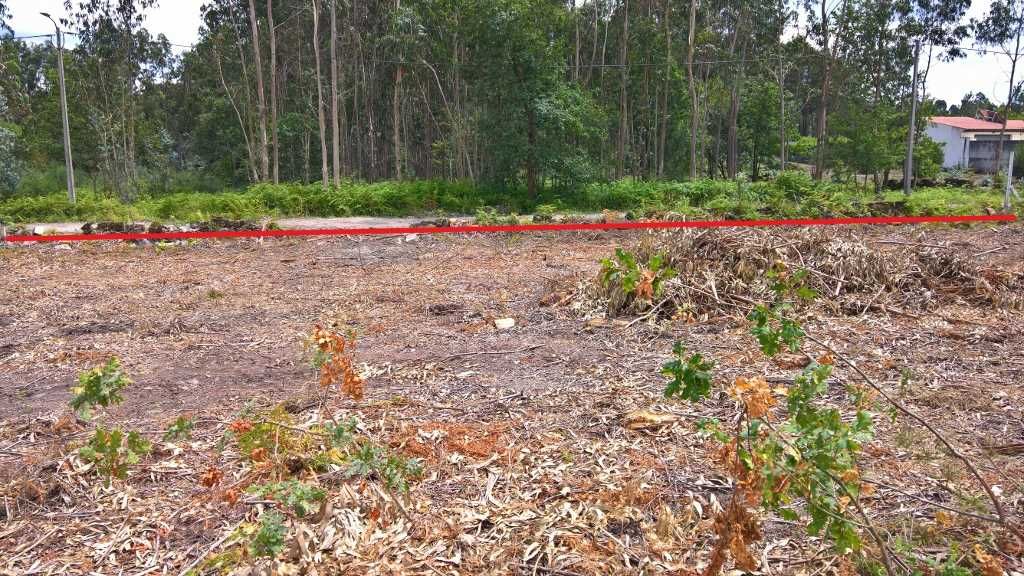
<point x="928" y="158"/>
<point x="268" y="541"/>
<point x="791" y="193"/>
<point x="644" y="281"/>
<point x="341" y="434"/>
<point x="301" y="498"/>
<point x="394" y="470"/>
<point x="690" y="375"/>
<point x="813" y="454"/>
<point x="809" y="457"/>
<point x="488" y="216"/>
<point x="545" y="213"/>
<point x="772" y="327"/>
<point x="802" y="149"/>
<point x="100" y="386"/>
<point x="952" y="201"/>
<point x="181" y="429"/>
<point x="113" y="452"/>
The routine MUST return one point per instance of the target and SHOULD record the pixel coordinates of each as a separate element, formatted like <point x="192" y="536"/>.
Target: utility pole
<point x="908" y="166"/>
<point x="69" y="165"/>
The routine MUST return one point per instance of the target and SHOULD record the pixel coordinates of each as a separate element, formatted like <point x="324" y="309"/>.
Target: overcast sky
<point x="179" y="21"/>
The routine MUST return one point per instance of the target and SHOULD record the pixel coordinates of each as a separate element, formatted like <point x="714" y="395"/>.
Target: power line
<point x="29" y="37"/>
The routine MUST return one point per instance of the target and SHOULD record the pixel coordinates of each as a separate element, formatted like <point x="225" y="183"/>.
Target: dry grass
<point x="530" y="464"/>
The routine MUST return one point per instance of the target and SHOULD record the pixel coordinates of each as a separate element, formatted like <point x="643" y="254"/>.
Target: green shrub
<point x="113" y="451"/>
<point x="100" y="386"/>
<point x="950" y="201"/>
<point x="489" y="216"/>
<point x="301" y="498"/>
<point x="268" y="541"/>
<point x="792" y="193"/>
<point x="545" y="213"/>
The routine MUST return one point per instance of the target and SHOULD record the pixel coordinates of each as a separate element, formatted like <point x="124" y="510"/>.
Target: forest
<point x="518" y="99"/>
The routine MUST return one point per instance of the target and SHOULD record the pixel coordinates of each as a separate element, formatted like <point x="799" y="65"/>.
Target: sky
<point x="179" y="21"/>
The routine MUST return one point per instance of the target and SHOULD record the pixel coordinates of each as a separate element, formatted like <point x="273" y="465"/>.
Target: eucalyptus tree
<point x="828" y="24"/>
<point x="121" y="60"/>
<point x="261" y="99"/>
<point x="1002" y="27"/>
<point x="5" y="14"/>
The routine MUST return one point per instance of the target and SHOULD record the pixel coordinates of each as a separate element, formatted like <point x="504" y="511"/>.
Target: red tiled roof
<point x="974" y="124"/>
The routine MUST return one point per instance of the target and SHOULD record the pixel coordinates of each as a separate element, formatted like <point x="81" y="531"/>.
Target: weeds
<point x="301" y="498"/>
<point x="269" y="539"/>
<point x="790" y="194"/>
<point x="100" y="386"/>
<point x="642" y="281"/>
<point x="488" y="216"/>
<point x="394" y="470"/>
<point x="113" y="451"/>
<point x="181" y="429"/>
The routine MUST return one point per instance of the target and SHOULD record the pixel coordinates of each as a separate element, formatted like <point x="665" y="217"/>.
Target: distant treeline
<point x="531" y="94"/>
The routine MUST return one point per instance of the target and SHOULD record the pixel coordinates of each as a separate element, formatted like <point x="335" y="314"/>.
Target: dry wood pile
<point x="723" y="269"/>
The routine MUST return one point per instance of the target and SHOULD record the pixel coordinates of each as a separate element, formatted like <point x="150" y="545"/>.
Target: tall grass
<point x="791" y="194"/>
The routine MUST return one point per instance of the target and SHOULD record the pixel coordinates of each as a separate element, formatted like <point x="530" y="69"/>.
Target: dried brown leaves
<point x="335" y="362"/>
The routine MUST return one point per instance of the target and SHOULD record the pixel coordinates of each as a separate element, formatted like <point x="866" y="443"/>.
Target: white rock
<point x="504" y="323"/>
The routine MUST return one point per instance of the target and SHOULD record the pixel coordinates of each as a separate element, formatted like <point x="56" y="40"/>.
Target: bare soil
<point x="206" y="329"/>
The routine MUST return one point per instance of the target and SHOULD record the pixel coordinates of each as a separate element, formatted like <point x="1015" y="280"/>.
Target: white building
<point x="970" y="143"/>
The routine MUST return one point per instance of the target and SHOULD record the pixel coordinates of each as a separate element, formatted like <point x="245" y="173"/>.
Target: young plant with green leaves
<point x="114" y="451"/>
<point x="301" y="498"/>
<point x="690" y="375"/>
<point x="269" y="540"/>
<point x="640" y="280"/>
<point x="392" y="469"/>
<point x="807" y="454"/>
<point x="100" y="386"/>
<point x="181" y="429"/>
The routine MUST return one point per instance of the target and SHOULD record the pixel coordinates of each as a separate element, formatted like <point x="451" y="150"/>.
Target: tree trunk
<point x="241" y="122"/>
<point x="782" y="115"/>
<point x="273" y="90"/>
<point x="335" y="123"/>
<point x="663" y="132"/>
<point x="732" y="130"/>
<point x="531" y="153"/>
<point x="261" y="102"/>
<point x="396" y="116"/>
<point x="826" y="86"/>
<point x="576" y="25"/>
<point x="1006" y="115"/>
<point x="620" y="154"/>
<point x="325" y="176"/>
<point x="396" y="122"/>
<point x="694" y="113"/>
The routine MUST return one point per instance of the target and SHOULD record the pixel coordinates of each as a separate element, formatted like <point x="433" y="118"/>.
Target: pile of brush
<point x="718" y="270"/>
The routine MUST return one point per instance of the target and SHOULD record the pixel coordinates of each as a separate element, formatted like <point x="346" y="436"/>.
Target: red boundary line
<point x="516" y="228"/>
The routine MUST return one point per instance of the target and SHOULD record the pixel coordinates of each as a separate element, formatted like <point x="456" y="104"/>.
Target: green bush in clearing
<point x="950" y="202"/>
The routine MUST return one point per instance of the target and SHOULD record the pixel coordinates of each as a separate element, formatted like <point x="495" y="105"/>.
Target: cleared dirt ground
<point x="552" y="482"/>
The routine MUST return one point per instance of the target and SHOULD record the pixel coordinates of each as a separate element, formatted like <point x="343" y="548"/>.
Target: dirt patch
<point x="528" y="465"/>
